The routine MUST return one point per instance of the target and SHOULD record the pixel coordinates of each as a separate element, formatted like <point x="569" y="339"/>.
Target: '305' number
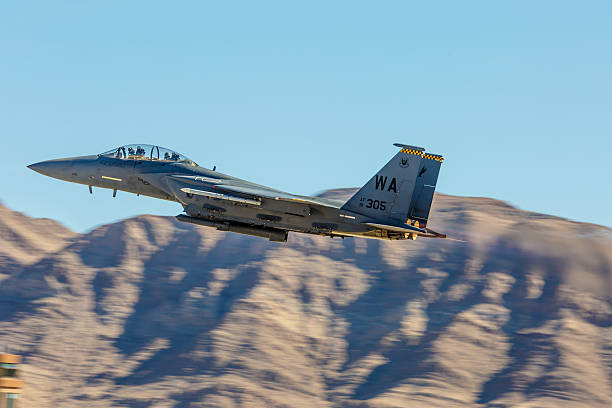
<point x="376" y="204"/>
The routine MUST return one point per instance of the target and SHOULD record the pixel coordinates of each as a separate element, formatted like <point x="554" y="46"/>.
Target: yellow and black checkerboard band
<point x="411" y="151"/>
<point x="432" y="157"/>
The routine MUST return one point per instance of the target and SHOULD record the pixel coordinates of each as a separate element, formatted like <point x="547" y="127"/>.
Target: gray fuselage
<point x="167" y="180"/>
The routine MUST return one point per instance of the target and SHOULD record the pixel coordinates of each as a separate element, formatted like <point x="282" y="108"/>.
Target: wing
<point x="240" y="191"/>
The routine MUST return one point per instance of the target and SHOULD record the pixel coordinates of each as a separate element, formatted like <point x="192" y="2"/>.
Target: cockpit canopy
<point x="147" y="152"/>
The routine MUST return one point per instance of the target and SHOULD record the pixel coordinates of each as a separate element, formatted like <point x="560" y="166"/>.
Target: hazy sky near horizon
<point x="310" y="96"/>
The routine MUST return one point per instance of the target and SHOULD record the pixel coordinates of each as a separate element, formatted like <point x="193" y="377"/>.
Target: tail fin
<point x="389" y="193"/>
<point x="425" y="187"/>
<point x="402" y="189"/>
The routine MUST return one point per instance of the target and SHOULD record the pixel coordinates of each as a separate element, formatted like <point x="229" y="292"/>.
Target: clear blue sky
<point x="303" y="97"/>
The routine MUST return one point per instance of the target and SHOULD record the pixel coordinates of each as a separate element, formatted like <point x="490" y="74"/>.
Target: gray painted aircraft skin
<point x="394" y="204"/>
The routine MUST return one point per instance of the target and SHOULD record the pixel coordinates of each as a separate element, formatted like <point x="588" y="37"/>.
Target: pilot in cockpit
<point x="175" y="156"/>
<point x="140" y="151"/>
<point x="167" y="156"/>
<point x="131" y="151"/>
<point x="120" y="153"/>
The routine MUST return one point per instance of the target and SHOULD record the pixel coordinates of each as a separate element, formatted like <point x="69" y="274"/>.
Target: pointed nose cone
<point x="37" y="167"/>
<point x="67" y="168"/>
<point x="59" y="169"/>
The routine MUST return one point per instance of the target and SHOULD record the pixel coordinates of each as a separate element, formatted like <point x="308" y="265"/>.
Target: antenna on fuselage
<point x="214" y="168"/>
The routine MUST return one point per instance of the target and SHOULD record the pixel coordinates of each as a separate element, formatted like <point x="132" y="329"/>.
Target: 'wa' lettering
<point x="381" y="183"/>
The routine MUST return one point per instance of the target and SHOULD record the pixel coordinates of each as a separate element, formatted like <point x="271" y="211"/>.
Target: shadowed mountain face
<point x="149" y="312"/>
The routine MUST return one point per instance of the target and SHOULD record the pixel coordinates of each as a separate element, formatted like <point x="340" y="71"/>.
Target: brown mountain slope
<point x="149" y="312"/>
<point x="25" y="240"/>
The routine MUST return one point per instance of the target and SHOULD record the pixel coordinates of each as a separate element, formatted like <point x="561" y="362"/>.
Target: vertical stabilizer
<point x="425" y="186"/>
<point x="389" y="193"/>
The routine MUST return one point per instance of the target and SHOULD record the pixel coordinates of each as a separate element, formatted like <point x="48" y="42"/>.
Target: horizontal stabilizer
<point x="435" y="234"/>
<point x="404" y="228"/>
<point x="408" y="229"/>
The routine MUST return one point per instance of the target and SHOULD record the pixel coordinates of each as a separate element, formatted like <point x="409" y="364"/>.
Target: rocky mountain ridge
<point x="150" y="312"/>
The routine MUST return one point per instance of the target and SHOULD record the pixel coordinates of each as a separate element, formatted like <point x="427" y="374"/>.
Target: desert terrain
<point x="149" y="312"/>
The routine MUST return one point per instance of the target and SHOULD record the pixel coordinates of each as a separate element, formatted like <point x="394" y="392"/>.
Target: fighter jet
<point x="394" y="204"/>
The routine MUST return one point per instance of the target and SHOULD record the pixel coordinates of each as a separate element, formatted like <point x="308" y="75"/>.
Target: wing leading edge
<point x="220" y="186"/>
